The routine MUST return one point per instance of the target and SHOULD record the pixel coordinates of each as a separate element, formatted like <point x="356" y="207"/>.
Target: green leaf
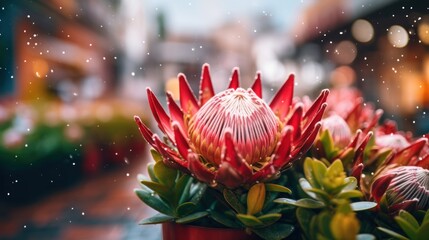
<point x="277" y="231"/>
<point x="166" y="175"/>
<point x="192" y="217"/>
<point x="328" y="143"/>
<point x="271" y="187"/>
<point x="304" y="217"/>
<point x="423" y="231"/>
<point x="324" y="221"/>
<point x="351" y="183"/>
<point x="392" y="233"/>
<point x="309" y="172"/>
<point x="320" y="194"/>
<point x="406" y="227"/>
<point x="185" y="209"/>
<point x="409" y="218"/>
<point x="426" y="218"/>
<point x="151" y="172"/>
<point x="268" y="219"/>
<point x="182" y="189"/>
<point x="200" y="189"/>
<point x="233" y="201"/>
<point x="154" y="201"/>
<point x="319" y="171"/>
<point x="249" y="220"/>
<point x="157" y="218"/>
<point x="350" y="194"/>
<point x="305" y="185"/>
<point x="304" y="202"/>
<point x="155" y="155"/>
<point x="365" y="236"/>
<point x="162" y="190"/>
<point x="363" y="205"/>
<point x="224" y="219"/>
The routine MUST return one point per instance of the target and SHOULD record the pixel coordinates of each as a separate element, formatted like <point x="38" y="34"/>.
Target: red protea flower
<point x="233" y="138"/>
<point x="404" y="187"/>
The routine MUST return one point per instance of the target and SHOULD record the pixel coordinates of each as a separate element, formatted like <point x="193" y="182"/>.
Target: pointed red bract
<point x="321" y="99"/>
<point x="295" y="121"/>
<point x="404" y="156"/>
<point x="199" y="170"/>
<point x="206" y="86"/>
<point x="283" y="98"/>
<point x="408" y="205"/>
<point x="163" y="120"/>
<point x="358" y="159"/>
<point x="181" y="141"/>
<point x="235" y="79"/>
<point x="357" y="171"/>
<point x="282" y="154"/>
<point x="176" y="113"/>
<point x="145" y="131"/>
<point x="187" y="98"/>
<point x="257" y="85"/>
<point x="236" y="163"/>
<point x="380" y="185"/>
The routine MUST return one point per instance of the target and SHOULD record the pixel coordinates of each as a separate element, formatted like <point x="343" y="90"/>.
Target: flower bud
<point x="345" y="226"/>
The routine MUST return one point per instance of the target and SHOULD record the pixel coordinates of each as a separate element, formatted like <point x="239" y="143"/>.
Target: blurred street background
<point x="74" y="73"/>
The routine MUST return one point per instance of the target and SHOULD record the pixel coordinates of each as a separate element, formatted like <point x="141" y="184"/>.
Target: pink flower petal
<point x="358" y="159"/>
<point x="187" y="98"/>
<point x="283" y="98"/>
<point x="257" y="85"/>
<point x="306" y="144"/>
<point x="170" y="158"/>
<point x="206" y="86"/>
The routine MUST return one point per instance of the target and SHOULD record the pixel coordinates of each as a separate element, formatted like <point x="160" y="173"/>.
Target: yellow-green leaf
<point x="271" y="187"/>
<point x="255" y="198"/>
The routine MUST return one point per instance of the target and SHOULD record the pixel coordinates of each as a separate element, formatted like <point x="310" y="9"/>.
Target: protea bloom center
<point x="233" y="138"/>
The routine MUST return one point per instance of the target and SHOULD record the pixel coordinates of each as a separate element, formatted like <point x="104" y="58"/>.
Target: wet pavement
<point x="99" y="207"/>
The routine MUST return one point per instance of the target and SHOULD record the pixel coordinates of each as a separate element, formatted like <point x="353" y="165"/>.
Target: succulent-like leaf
<point x="255" y="198"/>
<point x="151" y="172"/>
<point x="198" y="192"/>
<point x="249" y="220"/>
<point x="271" y="187"/>
<point x="363" y="205"/>
<point x="305" y="185"/>
<point x="409" y="218"/>
<point x="392" y="233"/>
<point x="350" y="194"/>
<point x="407" y="227"/>
<point x="233" y="201"/>
<point x="224" y="219"/>
<point x="423" y="231"/>
<point x="304" y="217"/>
<point x="162" y="190"/>
<point x="268" y="219"/>
<point x="185" y="209"/>
<point x="166" y="175"/>
<point x="192" y="217"/>
<point x="155" y="155"/>
<point x="324" y="224"/>
<point x="365" y="236"/>
<point x="154" y="201"/>
<point x="304" y="202"/>
<point x="277" y="231"/>
<point x="156" y="219"/>
<point x="183" y="186"/>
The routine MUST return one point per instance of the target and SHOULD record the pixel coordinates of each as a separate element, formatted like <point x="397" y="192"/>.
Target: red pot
<point x="174" y="231"/>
